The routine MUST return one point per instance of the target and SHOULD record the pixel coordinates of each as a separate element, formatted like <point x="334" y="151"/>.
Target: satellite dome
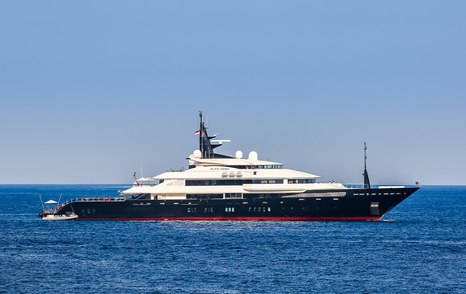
<point x="239" y="154"/>
<point x="253" y="155"/>
<point x="197" y="154"/>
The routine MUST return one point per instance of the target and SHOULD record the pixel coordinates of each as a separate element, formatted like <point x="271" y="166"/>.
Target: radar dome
<point x="253" y="155"/>
<point x="197" y="154"/>
<point x="239" y="154"/>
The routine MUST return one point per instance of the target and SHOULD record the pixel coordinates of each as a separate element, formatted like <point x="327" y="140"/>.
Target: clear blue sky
<point x="91" y="91"/>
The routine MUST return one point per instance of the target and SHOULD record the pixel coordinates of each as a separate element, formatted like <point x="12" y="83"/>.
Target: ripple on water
<point x="419" y="248"/>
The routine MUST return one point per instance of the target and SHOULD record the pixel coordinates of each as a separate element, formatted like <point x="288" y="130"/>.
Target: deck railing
<point x="95" y="199"/>
<point x="362" y="186"/>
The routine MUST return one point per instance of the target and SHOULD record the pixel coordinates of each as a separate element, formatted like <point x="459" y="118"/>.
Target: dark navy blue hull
<point x="348" y="204"/>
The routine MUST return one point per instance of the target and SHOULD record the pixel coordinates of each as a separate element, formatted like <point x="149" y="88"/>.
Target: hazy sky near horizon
<point x="91" y="91"/>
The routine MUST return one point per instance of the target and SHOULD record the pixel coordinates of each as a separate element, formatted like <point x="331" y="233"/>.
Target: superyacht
<point x="220" y="187"/>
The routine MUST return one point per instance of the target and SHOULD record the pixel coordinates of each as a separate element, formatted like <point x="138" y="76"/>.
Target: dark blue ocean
<point x="420" y="247"/>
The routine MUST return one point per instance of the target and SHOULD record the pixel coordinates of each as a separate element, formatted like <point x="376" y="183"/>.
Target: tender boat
<point x="59" y="217"/>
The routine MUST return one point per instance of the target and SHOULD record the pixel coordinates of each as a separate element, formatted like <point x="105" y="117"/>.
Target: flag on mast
<point x="197" y="132"/>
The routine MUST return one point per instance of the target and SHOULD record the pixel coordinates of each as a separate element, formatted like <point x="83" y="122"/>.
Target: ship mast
<point x="206" y="146"/>
<point x="367" y="183"/>
<point x="201" y="125"/>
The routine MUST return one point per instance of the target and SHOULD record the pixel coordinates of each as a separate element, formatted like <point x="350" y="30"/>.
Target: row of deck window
<point x="373" y="194"/>
<point x="234" y="196"/>
<point x="231" y="209"/>
<point x="268" y="166"/>
<point x="301" y="181"/>
<point x="241" y="182"/>
<point x="230" y="182"/>
<point x="274" y="166"/>
<point x="87" y="211"/>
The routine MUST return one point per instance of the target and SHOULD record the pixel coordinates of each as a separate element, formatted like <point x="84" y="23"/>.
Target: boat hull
<point x="59" y="217"/>
<point x="342" y="205"/>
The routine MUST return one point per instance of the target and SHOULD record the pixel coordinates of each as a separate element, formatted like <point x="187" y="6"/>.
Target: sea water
<point x="419" y="247"/>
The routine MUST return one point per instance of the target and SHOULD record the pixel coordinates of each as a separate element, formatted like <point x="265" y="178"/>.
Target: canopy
<point x="51" y="202"/>
<point x="146" y="179"/>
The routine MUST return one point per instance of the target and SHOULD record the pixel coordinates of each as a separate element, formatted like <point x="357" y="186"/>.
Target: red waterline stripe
<point x="246" y="218"/>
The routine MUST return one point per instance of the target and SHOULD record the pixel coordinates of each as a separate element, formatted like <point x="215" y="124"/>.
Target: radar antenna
<point x="206" y="144"/>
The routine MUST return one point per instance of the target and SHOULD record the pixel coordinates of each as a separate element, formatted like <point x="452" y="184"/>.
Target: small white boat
<point x="49" y="213"/>
<point x="55" y="217"/>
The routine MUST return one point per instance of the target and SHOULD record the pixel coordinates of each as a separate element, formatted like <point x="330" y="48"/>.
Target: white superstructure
<point x="228" y="178"/>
